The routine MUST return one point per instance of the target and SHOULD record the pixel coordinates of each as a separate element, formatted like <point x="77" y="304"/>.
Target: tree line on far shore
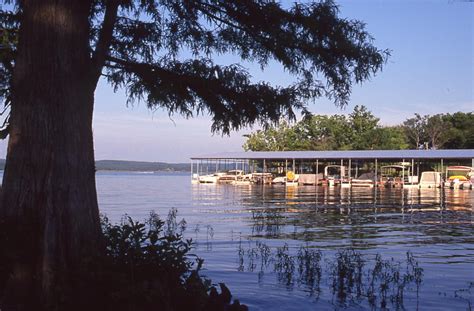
<point x="361" y="130"/>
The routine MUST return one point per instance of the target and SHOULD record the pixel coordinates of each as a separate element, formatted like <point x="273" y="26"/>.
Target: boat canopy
<point x="343" y="154"/>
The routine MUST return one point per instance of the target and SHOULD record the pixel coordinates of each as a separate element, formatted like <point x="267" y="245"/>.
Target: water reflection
<point x="348" y="277"/>
<point x="315" y="196"/>
<point x="360" y="217"/>
<point x="435" y="224"/>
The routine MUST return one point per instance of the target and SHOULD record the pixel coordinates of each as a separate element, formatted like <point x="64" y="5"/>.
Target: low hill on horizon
<point x="121" y="165"/>
<point x="137" y="166"/>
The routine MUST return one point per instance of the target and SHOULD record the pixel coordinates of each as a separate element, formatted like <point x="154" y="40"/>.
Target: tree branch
<point x="105" y="38"/>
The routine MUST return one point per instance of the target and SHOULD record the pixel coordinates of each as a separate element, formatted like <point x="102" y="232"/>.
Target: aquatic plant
<point x="351" y="277"/>
<point x="241" y="253"/>
<point x="265" y="253"/>
<point x="284" y="265"/>
<point x="309" y="268"/>
<point x="209" y="237"/>
<point x="346" y="275"/>
<point x="466" y="294"/>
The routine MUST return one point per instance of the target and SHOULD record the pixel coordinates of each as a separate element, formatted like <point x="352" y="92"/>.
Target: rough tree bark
<point x="49" y="192"/>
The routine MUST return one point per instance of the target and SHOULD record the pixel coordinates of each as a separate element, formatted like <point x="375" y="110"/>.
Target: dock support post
<point x="342" y="170"/>
<point x="264" y="166"/>
<point x="376" y="185"/>
<point x="418" y="169"/>
<point x="350" y="165"/>
<point x="317" y="172"/>
<point x="191" y="169"/>
<point x="403" y="172"/>
<point x="376" y="174"/>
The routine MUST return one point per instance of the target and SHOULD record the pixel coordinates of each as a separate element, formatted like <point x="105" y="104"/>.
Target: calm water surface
<point x="229" y="224"/>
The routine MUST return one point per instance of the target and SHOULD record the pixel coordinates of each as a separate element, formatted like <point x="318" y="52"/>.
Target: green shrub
<point x="148" y="266"/>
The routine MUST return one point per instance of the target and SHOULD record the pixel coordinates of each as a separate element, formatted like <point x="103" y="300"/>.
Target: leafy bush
<point x="148" y="266"/>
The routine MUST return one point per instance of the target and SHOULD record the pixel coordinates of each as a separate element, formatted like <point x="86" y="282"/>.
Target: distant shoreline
<point x="134" y="166"/>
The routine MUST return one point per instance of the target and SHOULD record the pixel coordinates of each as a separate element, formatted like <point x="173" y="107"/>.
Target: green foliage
<point x="415" y="129"/>
<point x="359" y="130"/>
<point x="280" y="138"/>
<point x="450" y="131"/>
<point x="363" y="124"/>
<point x="324" y="132"/>
<point x="141" y="46"/>
<point x="461" y="130"/>
<point x="388" y="138"/>
<point x="149" y="264"/>
<point x="437" y="130"/>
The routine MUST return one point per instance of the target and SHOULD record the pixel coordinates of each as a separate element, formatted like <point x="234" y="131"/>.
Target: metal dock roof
<point x="346" y="154"/>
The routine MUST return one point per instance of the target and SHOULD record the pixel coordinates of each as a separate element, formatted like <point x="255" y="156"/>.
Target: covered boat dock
<point x="313" y="166"/>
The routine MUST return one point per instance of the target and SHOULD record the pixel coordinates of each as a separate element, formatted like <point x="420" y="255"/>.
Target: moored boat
<point x="430" y="179"/>
<point x="459" y="177"/>
<point x="280" y="180"/>
<point x="210" y="178"/>
<point x="397" y="176"/>
<point x="231" y="176"/>
<point x="364" y="180"/>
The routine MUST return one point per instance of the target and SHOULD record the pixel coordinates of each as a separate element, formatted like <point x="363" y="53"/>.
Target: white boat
<point x="310" y="179"/>
<point x="210" y="179"/>
<point x="459" y="177"/>
<point x="430" y="179"/>
<point x="346" y="183"/>
<point x="357" y="182"/>
<point x="231" y="176"/>
<point x="279" y="180"/>
<point x="244" y="179"/>
<point x="363" y="180"/>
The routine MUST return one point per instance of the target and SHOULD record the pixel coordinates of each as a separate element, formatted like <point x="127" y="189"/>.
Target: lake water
<point x="241" y="232"/>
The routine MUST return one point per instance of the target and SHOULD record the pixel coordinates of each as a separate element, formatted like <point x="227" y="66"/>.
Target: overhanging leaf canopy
<point x="139" y="45"/>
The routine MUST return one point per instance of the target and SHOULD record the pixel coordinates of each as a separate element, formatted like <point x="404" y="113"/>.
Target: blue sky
<point x="431" y="71"/>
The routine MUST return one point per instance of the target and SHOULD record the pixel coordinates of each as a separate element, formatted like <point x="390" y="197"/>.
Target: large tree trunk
<point x="49" y="202"/>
